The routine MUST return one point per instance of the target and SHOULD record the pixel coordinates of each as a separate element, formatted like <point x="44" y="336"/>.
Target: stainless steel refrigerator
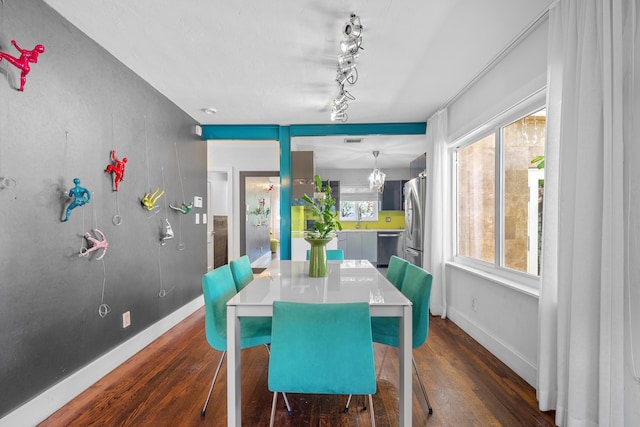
<point x="415" y="193"/>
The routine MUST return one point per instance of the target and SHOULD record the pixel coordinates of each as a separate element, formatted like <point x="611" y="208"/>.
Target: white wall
<point x="500" y="315"/>
<point x="520" y="73"/>
<point x="220" y="192"/>
<point x="241" y="156"/>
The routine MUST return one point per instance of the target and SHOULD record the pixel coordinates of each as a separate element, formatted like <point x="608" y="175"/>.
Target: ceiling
<point x="274" y="62"/>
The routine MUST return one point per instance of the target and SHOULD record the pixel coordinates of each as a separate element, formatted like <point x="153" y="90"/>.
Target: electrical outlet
<point x="474" y="304"/>
<point x="388" y="219"/>
<point x="197" y="218"/>
<point x="126" y="319"/>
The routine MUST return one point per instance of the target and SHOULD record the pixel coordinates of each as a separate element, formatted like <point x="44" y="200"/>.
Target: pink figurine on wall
<point x="26" y="56"/>
<point x="96" y="244"/>
<point x="116" y="169"/>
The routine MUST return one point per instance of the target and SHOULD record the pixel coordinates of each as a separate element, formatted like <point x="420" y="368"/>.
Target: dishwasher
<point x="388" y="244"/>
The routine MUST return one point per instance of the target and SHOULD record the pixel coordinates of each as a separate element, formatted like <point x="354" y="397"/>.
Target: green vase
<point x="318" y="257"/>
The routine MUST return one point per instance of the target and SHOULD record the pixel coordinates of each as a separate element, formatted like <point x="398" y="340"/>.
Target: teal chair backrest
<point x="218" y="287"/>
<point x="332" y="254"/>
<point x="396" y="270"/>
<point x="322" y="348"/>
<point x="242" y="271"/>
<point x="416" y="286"/>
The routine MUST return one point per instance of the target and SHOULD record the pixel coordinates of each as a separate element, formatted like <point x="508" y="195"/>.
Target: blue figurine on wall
<point x="80" y="196"/>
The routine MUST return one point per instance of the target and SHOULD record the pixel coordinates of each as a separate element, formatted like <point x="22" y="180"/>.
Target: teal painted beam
<point x="245" y="132"/>
<point x="355" y="129"/>
<point x="286" y="192"/>
<point x="283" y="134"/>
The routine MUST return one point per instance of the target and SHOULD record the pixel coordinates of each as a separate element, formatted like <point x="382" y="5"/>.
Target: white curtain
<point x="436" y="140"/>
<point x="581" y="314"/>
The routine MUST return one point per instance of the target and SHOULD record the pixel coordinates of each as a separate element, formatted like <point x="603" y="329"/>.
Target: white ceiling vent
<point x="352" y="140"/>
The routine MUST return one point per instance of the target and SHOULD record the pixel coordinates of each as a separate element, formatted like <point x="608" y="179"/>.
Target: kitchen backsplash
<point x="299" y="216"/>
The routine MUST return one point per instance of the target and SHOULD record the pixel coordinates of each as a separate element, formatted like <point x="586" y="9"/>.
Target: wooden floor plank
<point x="166" y="383"/>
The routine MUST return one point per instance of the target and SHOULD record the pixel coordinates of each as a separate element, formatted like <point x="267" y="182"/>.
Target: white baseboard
<point x="507" y="355"/>
<point x="42" y="406"/>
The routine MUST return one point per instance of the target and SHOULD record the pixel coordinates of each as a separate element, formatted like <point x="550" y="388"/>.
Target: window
<point x="476" y="199"/>
<point x="358" y="203"/>
<point x="358" y="210"/>
<point x="500" y="189"/>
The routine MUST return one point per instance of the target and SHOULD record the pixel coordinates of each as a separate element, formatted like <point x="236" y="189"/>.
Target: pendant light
<point x="376" y="179"/>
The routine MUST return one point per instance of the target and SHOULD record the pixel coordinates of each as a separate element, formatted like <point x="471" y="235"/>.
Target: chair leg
<point x="346" y="407"/>
<point x="206" y="402"/>
<point x="286" y="403"/>
<point x="273" y="408"/>
<point x="373" y="417"/>
<point x="415" y="366"/>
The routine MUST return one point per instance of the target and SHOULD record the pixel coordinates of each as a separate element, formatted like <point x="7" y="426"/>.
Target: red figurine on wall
<point x="26" y="56"/>
<point x="117" y="170"/>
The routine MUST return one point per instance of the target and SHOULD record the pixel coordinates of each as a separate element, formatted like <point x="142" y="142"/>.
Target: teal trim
<point x="359" y="129"/>
<point x="247" y="132"/>
<point x="286" y="192"/>
<point x="284" y="135"/>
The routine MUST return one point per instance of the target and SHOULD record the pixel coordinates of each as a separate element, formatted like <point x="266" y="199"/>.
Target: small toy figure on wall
<point x="26" y="56"/>
<point x="116" y="170"/>
<point x="149" y="200"/>
<point x="80" y="195"/>
<point x="183" y="209"/>
<point x="95" y="244"/>
<point x="166" y="233"/>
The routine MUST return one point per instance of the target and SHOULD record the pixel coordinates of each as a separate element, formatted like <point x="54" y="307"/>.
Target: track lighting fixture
<point x="339" y="108"/>
<point x="339" y="117"/>
<point x="346" y="59"/>
<point x="348" y="76"/>
<point x="349" y="46"/>
<point x="346" y="71"/>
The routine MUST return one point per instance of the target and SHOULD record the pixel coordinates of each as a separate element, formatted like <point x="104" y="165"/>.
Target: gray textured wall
<point x="79" y="103"/>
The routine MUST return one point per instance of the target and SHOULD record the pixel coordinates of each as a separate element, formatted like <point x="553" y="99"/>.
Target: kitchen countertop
<point x="300" y="234"/>
<point x="372" y="229"/>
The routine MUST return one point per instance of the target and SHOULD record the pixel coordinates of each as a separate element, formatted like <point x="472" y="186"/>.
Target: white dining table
<point x="347" y="281"/>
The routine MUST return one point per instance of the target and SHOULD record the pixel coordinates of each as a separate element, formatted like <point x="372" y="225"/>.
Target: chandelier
<point x="376" y="179"/>
<point x="347" y="73"/>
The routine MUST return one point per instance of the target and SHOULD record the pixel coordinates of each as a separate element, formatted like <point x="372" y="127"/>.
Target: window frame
<point x="493" y="126"/>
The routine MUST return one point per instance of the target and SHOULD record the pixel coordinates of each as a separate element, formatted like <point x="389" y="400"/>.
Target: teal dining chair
<point x="219" y="287"/>
<point x="416" y="286"/>
<point x="321" y="348"/>
<point x="332" y="254"/>
<point x="396" y="270"/>
<point x="241" y="271"/>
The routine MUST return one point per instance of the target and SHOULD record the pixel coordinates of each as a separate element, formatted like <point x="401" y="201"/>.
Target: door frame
<point x="211" y="203"/>
<point x="242" y="209"/>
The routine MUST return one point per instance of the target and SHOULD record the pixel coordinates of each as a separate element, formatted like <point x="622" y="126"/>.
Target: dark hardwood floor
<point x="166" y="384"/>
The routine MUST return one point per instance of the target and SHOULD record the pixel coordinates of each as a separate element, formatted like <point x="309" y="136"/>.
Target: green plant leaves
<point x="327" y="221"/>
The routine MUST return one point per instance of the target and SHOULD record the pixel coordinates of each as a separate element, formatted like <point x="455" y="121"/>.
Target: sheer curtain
<point x="581" y="314"/>
<point x="436" y="139"/>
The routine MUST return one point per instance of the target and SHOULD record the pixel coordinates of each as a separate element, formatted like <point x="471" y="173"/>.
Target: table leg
<point x="406" y="348"/>
<point x="234" y="392"/>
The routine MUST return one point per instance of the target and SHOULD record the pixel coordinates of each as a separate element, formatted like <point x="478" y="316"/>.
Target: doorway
<point x="219" y="215"/>
<point x="259" y="216"/>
